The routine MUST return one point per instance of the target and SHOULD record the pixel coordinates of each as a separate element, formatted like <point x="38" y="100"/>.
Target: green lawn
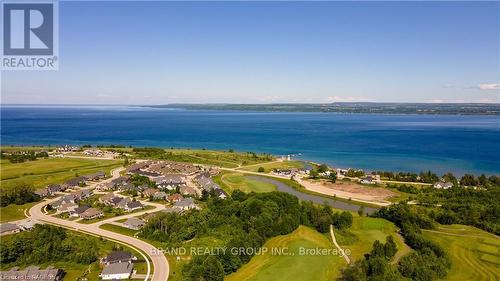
<point x="14" y="212"/>
<point x="51" y="171"/>
<point x="213" y="157"/>
<point x="364" y="231"/>
<point x="475" y="254"/>
<point x="233" y="181"/>
<point x="293" y="267"/>
<point x="268" y="167"/>
<point x="119" y="229"/>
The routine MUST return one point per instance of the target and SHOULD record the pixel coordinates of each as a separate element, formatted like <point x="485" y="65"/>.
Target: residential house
<point x="134" y="223"/>
<point x="67" y="207"/>
<point x="75" y="181"/>
<point x="186" y="204"/>
<point x="172" y="210"/>
<point x="66" y="148"/>
<point x="149" y="192"/>
<point x="27" y="224"/>
<point x="42" y="192"/>
<point x="175" y="198"/>
<point x="78" y="211"/>
<point x="105" y="186"/>
<point x="55" y="188"/>
<point x="82" y="194"/>
<point x="32" y="273"/>
<point x="116" y="200"/>
<point x="9" y="228"/>
<point x="107" y="198"/>
<point x="443" y="185"/>
<point x="220" y="193"/>
<point x="188" y="190"/>
<point x="117" y="271"/>
<point x="368" y="180"/>
<point x="120" y="181"/>
<point x="133" y="205"/>
<point x="118" y="257"/>
<point x="123" y="202"/>
<point x="95" y="176"/>
<point x="127" y="186"/>
<point x="91" y="213"/>
<point x="160" y="195"/>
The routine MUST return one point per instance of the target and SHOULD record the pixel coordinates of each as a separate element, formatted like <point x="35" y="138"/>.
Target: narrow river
<point x="310" y="197"/>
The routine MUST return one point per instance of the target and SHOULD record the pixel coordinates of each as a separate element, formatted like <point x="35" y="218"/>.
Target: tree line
<point x="18" y="193"/>
<point x="23" y="156"/>
<point x="429" y="261"/>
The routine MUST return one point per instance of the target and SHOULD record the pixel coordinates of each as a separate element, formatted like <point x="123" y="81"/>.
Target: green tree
<point x="322" y="168"/>
<point x="333" y="176"/>
<point x="212" y="269"/>
<point x="261" y="170"/>
<point x="361" y="211"/>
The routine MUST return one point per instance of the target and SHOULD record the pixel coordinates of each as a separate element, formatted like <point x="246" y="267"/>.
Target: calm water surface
<point x="370" y="141"/>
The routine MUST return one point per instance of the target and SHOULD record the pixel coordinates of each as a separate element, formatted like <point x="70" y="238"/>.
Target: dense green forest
<point x="47" y="243"/>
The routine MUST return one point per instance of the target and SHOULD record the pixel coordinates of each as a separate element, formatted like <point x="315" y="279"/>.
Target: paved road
<point x="160" y="263"/>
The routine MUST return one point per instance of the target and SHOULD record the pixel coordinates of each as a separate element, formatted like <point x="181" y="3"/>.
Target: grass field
<point x="233" y="181"/>
<point x="292" y="267"/>
<point x="364" y="231"/>
<point x="214" y="157"/>
<point x="268" y="167"/>
<point x="475" y="254"/>
<point x="53" y="170"/>
<point x="119" y="229"/>
<point x="14" y="212"/>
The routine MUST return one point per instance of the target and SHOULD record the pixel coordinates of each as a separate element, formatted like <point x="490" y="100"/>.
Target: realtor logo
<point x="29" y="35"/>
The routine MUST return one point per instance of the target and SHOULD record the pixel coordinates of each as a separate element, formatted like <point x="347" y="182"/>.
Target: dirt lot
<point x="343" y="189"/>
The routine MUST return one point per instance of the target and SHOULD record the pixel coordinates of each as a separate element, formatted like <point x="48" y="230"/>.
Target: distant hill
<point x="354" y="107"/>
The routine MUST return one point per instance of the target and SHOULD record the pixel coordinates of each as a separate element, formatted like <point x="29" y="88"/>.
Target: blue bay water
<point x="440" y="143"/>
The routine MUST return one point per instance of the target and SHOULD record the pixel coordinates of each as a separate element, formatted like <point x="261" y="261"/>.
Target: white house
<point x="117" y="271"/>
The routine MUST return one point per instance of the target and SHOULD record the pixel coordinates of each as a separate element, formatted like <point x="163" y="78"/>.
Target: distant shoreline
<point x="365" y="108"/>
<point x="337" y="107"/>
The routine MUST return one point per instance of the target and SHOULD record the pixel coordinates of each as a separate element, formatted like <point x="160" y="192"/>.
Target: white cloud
<point x="345" y="99"/>
<point x="487" y="87"/>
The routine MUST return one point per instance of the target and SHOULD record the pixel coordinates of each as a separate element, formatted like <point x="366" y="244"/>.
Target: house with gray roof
<point x="133" y="205"/>
<point x="118" y="257"/>
<point x="9" y="228"/>
<point x="33" y="273"/>
<point x="91" y="213"/>
<point x="134" y="223"/>
<point x="117" y="271"/>
<point x="186" y="204"/>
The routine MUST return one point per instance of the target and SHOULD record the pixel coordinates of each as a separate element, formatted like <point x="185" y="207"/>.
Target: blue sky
<point x="261" y="52"/>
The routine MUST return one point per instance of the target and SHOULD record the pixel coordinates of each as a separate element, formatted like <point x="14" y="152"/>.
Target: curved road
<point x="160" y="263"/>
